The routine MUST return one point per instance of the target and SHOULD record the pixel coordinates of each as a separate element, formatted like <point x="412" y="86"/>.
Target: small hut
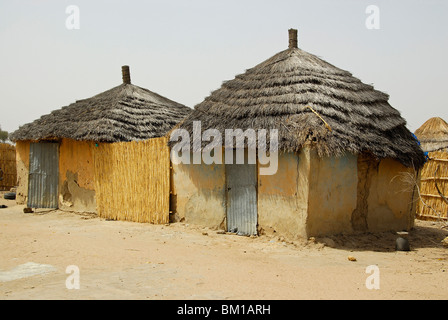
<point x="8" y="171"/>
<point x="105" y="154"/>
<point x="433" y="204"/>
<point x="341" y="148"/>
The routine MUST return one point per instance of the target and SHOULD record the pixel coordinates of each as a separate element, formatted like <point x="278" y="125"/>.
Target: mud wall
<point x="76" y="176"/>
<point x="198" y="191"/>
<point x="22" y="161"/>
<point x="283" y="197"/>
<point x="358" y="193"/>
<point x="308" y="196"/>
<point x="391" y="204"/>
<point x="332" y="194"/>
<point x="367" y="168"/>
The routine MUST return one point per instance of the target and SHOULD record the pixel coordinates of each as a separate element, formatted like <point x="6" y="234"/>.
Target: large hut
<point x="342" y="149"/>
<point x="433" y="188"/>
<point x="87" y="156"/>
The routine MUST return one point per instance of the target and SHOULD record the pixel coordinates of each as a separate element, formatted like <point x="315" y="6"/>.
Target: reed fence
<point x="433" y="204"/>
<point x="132" y="180"/>
<point x="8" y="168"/>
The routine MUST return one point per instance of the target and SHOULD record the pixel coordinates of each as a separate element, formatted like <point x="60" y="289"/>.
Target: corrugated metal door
<point x="241" y="182"/>
<point x="44" y="175"/>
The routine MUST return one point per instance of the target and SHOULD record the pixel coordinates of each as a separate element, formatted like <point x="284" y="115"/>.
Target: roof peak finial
<point x="126" y="75"/>
<point x="293" y="43"/>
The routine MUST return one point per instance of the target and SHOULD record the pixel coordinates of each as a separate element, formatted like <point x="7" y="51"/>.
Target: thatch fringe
<point x="124" y="113"/>
<point x="287" y="91"/>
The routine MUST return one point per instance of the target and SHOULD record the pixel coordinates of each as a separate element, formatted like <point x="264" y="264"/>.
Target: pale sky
<point x="183" y="50"/>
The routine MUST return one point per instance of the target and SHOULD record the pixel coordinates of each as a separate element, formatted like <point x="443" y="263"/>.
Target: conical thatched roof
<point x="433" y="135"/>
<point x="309" y="101"/>
<point x="124" y="113"/>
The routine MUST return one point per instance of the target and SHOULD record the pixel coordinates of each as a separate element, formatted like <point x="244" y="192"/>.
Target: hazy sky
<point x="183" y="50"/>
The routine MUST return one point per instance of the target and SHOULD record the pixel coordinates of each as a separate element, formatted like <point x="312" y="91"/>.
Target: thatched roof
<point x="309" y="101"/>
<point x="433" y="135"/>
<point x="123" y="113"/>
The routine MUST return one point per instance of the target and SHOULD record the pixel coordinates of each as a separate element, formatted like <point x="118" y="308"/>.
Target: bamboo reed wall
<point x="132" y="180"/>
<point x="8" y="166"/>
<point x="432" y="206"/>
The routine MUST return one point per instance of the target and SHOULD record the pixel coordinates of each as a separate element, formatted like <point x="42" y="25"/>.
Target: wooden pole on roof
<point x="293" y="43"/>
<point x="126" y="74"/>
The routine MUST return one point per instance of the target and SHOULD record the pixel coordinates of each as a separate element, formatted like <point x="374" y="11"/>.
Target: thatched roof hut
<point x="342" y="148"/>
<point x="309" y="100"/>
<point x="433" y="135"/>
<point x="73" y="157"/>
<point x="124" y="113"/>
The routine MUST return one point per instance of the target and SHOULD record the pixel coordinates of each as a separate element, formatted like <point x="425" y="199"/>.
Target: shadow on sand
<point x="425" y="234"/>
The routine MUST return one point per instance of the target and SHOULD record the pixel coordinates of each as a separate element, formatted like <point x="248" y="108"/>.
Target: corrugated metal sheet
<point x="241" y="182"/>
<point x="43" y="175"/>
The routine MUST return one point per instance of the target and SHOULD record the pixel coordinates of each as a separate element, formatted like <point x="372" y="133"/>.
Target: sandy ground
<point x="126" y="260"/>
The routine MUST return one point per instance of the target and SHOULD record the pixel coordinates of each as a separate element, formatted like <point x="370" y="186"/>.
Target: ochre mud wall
<point x="332" y="194"/>
<point x="308" y="195"/>
<point x="359" y="193"/>
<point x="282" y="197"/>
<point x="76" y="176"/>
<point x="392" y="200"/>
<point x="199" y="193"/>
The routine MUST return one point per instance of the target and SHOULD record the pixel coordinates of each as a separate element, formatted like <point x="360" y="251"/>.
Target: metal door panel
<point x="241" y="182"/>
<point x="43" y="175"/>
